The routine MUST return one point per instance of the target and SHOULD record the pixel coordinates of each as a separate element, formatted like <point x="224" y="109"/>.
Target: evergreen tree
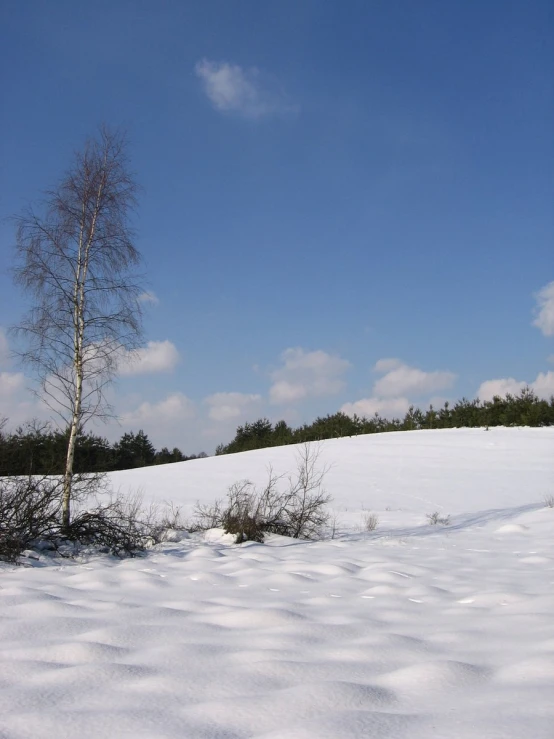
<point x="134" y="450"/>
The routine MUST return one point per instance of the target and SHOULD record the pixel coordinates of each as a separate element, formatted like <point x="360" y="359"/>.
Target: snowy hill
<point x="411" y="631"/>
<point x="455" y="471"/>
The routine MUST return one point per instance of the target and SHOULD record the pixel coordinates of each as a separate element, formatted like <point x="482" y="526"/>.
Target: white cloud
<point x="247" y="92"/>
<point x="411" y="381"/>
<point x="501" y="387"/>
<point x="149" y="297"/>
<point x="175" y="407"/>
<point x="542" y="386"/>
<point x="392" y="394"/>
<point x="385" y="365"/>
<point x="385" y="407"/>
<point x="10" y="383"/>
<point x="17" y="403"/>
<point x="287" y="392"/>
<point x="227" y="406"/>
<point x="156" y="356"/>
<point x="545" y="310"/>
<point x="306" y="374"/>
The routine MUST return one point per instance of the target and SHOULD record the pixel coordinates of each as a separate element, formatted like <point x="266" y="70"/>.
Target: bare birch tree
<point x="77" y="261"/>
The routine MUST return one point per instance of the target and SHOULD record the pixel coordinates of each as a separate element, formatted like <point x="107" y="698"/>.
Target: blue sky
<point x="346" y="204"/>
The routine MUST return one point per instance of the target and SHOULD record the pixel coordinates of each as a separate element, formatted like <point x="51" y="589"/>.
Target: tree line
<point x="522" y="409"/>
<point x="39" y="449"/>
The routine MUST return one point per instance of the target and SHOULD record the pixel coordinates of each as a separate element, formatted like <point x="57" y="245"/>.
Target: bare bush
<point x="123" y="526"/>
<point x="247" y="512"/>
<point x="436" y="518"/>
<point x="371" y="521"/>
<point x="549" y="501"/>
<point x="298" y="510"/>
<point x="306" y="498"/>
<point x="166" y="522"/>
<point x="118" y="526"/>
<point x="31" y="516"/>
<point x="29" y="511"/>
<point x="208" y="516"/>
<point x="333" y="525"/>
<point x="244" y="515"/>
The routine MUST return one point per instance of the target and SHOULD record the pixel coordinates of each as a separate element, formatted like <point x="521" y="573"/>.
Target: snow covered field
<point x="412" y="631"/>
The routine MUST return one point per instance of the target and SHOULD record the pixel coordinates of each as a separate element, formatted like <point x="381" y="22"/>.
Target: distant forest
<point x="38" y="449"/>
<point x="524" y="409"/>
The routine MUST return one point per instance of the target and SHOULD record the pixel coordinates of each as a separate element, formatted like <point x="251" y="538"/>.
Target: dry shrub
<point x="31" y="517"/>
<point x="371" y="521"/>
<point x="436" y="518"/>
<point x="29" y="511"/>
<point x="296" y="508"/>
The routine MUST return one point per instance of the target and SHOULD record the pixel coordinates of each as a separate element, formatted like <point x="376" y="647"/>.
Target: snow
<point x="411" y="631"/>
